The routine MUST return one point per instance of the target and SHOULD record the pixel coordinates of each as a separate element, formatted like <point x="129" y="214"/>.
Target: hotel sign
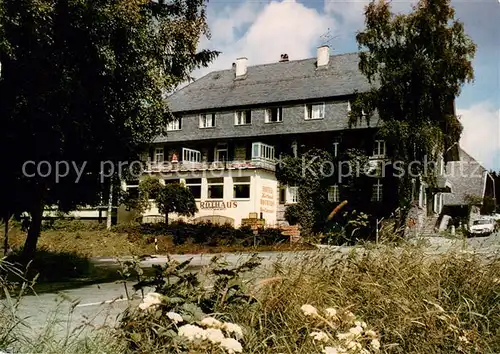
<point x="267" y="200"/>
<point x="218" y="205"/>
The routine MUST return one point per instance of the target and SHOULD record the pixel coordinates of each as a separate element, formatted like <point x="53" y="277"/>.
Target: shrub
<point x="292" y="214"/>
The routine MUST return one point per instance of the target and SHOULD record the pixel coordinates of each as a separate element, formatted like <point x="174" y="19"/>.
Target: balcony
<point x="183" y="166"/>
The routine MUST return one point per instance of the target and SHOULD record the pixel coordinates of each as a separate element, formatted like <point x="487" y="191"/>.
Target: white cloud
<point x="271" y="30"/>
<point x="481" y="135"/>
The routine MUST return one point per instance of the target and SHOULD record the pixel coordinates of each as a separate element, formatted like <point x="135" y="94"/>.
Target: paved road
<point x="102" y="304"/>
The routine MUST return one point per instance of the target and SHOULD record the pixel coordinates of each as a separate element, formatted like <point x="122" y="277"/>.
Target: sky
<point x="263" y="30"/>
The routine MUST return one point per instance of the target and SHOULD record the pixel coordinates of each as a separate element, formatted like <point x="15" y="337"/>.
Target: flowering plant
<point x="183" y="316"/>
<point x="339" y="331"/>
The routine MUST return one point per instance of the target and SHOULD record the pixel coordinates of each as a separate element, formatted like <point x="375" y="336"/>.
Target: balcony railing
<point x="215" y="165"/>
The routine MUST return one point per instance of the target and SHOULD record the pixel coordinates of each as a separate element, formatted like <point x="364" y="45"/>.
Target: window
<point x="333" y="194"/>
<point x="274" y="115"/>
<point x="194" y="185"/>
<point x="377" y="192"/>
<point x="133" y="192"/>
<point x="215" y="188"/>
<point x="207" y="120"/>
<point x="243" y="117"/>
<point x="282" y="195"/>
<point x="172" y="180"/>
<point x="190" y="155"/>
<point x="241" y="187"/>
<point x="315" y="111"/>
<point x="176" y="124"/>
<point x="292" y="195"/>
<point x="262" y="152"/>
<point x="159" y="156"/>
<point x="220" y="152"/>
<point x="379" y="148"/>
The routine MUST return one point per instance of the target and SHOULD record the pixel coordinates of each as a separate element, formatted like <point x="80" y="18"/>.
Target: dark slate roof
<point x="467" y="177"/>
<point x="272" y="83"/>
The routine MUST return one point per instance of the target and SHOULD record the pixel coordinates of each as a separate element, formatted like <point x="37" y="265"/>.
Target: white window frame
<point x="377" y="191"/>
<point x="379" y="148"/>
<point x="188" y="184"/>
<point x="159" y="152"/>
<point x="242" y="117"/>
<point x="215" y="184"/>
<point x="261" y="151"/>
<point x="246" y="182"/>
<point x="207" y="120"/>
<point x="279" y="115"/>
<point x="336" y="149"/>
<point x="334" y="193"/>
<point x="292" y="195"/>
<point x="309" y="110"/>
<point x="176" y="124"/>
<point x="190" y="155"/>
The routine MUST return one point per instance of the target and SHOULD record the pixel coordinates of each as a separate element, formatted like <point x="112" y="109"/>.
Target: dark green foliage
<point x="292" y="214"/>
<point x="84" y="82"/>
<point x="175" y="198"/>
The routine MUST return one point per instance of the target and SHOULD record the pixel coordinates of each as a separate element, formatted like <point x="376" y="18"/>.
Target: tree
<point x="82" y="87"/>
<point x="417" y="64"/>
<point x="175" y="198"/>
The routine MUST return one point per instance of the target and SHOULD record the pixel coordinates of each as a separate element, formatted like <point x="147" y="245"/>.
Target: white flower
<point x="331" y="312"/>
<point x="192" y="332"/>
<point x="375" y="344"/>
<point x="214" y="335"/>
<point x="233" y="328"/>
<point x="370" y="333"/>
<point x="175" y="317"/>
<point x="345" y="336"/>
<point x="211" y="322"/>
<point x="349" y="316"/>
<point x="150" y="299"/>
<point x="463" y="339"/>
<point x="330" y="350"/>
<point x="319" y="336"/>
<point x="231" y="345"/>
<point x="334" y="350"/>
<point x="309" y="310"/>
<point x="353" y="345"/>
<point x="360" y="324"/>
<point x="356" y="330"/>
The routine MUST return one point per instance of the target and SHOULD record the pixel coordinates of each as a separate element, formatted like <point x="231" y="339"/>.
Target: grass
<point x="102" y="243"/>
<point x="416" y="303"/>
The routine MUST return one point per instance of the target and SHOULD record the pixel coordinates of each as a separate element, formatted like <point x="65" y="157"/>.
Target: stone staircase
<point x="430" y="226"/>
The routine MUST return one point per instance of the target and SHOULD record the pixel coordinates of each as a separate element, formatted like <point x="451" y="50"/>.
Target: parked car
<point x="482" y="227"/>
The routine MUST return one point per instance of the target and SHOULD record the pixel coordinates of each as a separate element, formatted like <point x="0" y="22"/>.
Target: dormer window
<point x="207" y="120"/>
<point x="243" y="117"/>
<point x="274" y="115"/>
<point x="315" y="111"/>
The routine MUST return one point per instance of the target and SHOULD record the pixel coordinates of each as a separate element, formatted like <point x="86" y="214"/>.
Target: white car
<point x="483" y="227"/>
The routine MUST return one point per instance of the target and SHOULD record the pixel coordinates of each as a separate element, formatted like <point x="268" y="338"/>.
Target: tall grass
<point x="416" y="303"/>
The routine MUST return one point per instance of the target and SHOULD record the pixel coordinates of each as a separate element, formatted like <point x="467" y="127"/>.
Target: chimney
<point x="284" y="58"/>
<point x="241" y="67"/>
<point x="323" y="56"/>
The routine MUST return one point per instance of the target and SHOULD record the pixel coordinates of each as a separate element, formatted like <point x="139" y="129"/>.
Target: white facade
<point x="226" y="196"/>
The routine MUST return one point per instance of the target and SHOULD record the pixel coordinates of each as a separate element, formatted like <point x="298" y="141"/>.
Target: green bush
<point x="292" y="214"/>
